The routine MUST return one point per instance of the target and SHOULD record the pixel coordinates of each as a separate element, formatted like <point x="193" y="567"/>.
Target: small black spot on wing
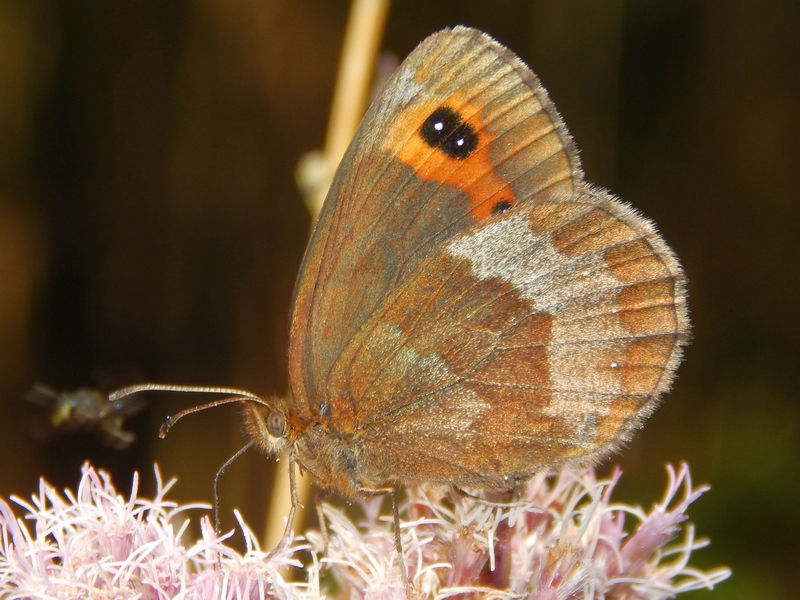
<point x="501" y="206"/>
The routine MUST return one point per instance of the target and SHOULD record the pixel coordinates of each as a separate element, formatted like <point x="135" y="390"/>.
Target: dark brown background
<point x="150" y="227"/>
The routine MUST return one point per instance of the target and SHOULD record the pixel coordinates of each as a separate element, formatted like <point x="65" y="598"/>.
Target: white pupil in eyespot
<point x="438" y="126"/>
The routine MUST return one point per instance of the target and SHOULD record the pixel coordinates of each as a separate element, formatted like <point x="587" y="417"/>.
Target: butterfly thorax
<point x="334" y="461"/>
<point x="331" y="457"/>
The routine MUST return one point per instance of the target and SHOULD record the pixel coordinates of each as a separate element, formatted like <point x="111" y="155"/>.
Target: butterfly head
<point x="269" y="425"/>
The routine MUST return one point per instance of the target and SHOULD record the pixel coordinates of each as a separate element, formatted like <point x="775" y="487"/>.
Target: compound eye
<point x="276" y="424"/>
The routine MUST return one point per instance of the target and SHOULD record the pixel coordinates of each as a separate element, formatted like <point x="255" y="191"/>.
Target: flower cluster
<point x="561" y="539"/>
<point x="95" y="544"/>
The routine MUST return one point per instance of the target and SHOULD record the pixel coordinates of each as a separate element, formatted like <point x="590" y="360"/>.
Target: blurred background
<point x="151" y="228"/>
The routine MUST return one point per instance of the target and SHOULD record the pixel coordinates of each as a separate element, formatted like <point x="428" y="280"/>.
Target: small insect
<point x="88" y="409"/>
<point x="470" y="310"/>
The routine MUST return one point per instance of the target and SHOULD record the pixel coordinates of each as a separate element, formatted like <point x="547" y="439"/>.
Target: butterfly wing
<point x="542" y="336"/>
<point x="492" y="140"/>
<point x="469" y="310"/>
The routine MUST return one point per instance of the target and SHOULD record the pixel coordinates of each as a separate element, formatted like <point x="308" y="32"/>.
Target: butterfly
<point x="470" y="311"/>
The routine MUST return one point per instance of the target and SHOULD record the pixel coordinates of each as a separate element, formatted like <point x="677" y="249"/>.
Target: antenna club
<point x="168" y="423"/>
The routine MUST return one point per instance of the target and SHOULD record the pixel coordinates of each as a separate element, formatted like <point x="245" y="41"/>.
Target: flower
<point x="96" y="544"/>
<point x="562" y="538"/>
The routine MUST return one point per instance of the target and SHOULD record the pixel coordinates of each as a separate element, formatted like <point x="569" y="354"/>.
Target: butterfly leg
<point x="220" y="471"/>
<point x="287" y="533"/>
<point x="398" y="543"/>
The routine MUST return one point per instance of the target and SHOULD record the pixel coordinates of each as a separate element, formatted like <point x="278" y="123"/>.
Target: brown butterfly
<point x="470" y="311"/>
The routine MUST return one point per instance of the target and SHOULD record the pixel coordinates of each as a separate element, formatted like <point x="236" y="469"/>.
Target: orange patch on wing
<point x="475" y="175"/>
<point x="534" y="330"/>
<point x="648" y="308"/>
<point x="651" y="351"/>
<point x="517" y="366"/>
<point x="634" y="262"/>
<point x="619" y="413"/>
<point x="645" y="361"/>
<point x="521" y="407"/>
<point x="651" y="320"/>
<point x="660" y="292"/>
<point x="592" y="232"/>
<point x="549" y="216"/>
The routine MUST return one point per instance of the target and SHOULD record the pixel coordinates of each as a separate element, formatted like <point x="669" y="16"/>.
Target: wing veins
<point x="420" y="316"/>
<point x="624" y="338"/>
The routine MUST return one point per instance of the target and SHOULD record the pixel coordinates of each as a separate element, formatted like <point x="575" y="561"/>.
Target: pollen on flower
<point x="561" y="538"/>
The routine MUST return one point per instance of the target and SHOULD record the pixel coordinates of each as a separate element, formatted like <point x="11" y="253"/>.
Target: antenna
<point x="235" y="395"/>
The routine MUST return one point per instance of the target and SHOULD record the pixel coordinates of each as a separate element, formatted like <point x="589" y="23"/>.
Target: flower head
<point x="96" y="544"/>
<point x="562" y="538"/>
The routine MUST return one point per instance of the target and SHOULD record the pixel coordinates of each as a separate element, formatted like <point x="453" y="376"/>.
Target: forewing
<point x="540" y="337"/>
<point x="401" y="192"/>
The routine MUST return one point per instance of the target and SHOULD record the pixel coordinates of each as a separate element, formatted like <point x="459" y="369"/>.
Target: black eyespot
<point x="276" y="424"/>
<point x="501" y="207"/>
<point x="445" y="129"/>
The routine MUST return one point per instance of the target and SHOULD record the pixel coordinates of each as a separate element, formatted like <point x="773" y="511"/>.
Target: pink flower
<point x="561" y="539"/>
<point x="95" y="544"/>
